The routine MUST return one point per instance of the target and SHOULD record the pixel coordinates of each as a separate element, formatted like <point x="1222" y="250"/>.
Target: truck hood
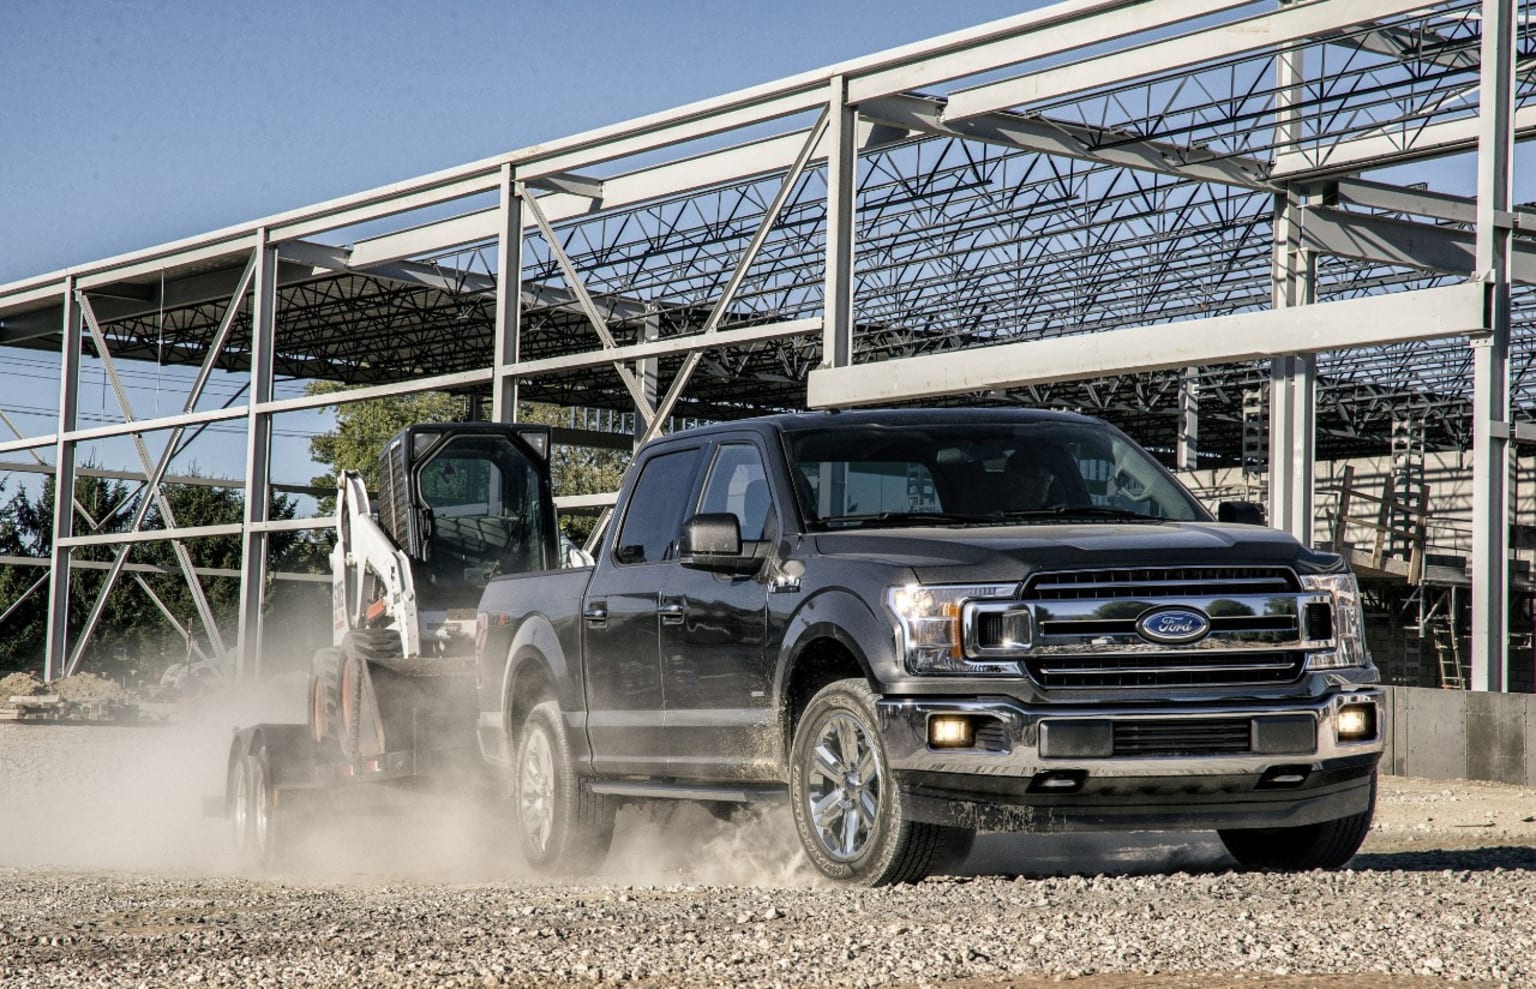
<point x="1006" y="553"/>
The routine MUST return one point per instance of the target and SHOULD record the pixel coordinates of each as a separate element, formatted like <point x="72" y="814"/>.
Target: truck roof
<point x="794" y="422"/>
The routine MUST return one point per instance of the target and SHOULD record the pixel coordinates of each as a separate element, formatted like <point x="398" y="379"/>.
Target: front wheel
<point x="565" y="827"/>
<point x="1327" y="845"/>
<point x="846" y="804"/>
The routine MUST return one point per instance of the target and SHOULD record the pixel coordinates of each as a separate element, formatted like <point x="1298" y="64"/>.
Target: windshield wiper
<point x="901" y="518"/>
<point x="1061" y="511"/>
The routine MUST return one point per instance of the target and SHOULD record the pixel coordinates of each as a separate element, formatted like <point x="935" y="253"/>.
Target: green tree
<point x="131" y="624"/>
<point x="362" y="429"/>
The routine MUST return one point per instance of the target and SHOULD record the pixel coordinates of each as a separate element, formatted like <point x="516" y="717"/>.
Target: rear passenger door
<point x="619" y="617"/>
<point x="716" y="678"/>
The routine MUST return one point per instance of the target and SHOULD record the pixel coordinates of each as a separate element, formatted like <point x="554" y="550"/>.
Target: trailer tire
<point x="564" y="828"/>
<point x="238" y="806"/>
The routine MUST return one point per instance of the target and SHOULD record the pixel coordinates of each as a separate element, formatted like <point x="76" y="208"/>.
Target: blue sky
<point x="129" y="123"/>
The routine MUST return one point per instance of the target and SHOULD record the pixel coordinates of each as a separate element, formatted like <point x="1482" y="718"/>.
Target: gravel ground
<point x="109" y="876"/>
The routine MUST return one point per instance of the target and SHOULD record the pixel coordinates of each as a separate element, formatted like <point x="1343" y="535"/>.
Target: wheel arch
<point x="821" y="652"/>
<point x="536" y="668"/>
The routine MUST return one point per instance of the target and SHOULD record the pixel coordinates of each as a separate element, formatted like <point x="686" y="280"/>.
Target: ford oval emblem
<point x="1173" y="626"/>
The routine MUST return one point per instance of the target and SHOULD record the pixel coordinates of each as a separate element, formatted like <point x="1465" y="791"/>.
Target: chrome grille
<point x="1182" y="738"/>
<point x="1159" y="582"/>
<point x="1087" y="627"/>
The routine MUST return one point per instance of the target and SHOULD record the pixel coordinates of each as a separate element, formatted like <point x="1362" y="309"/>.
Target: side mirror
<point x="1241" y="512"/>
<point x="712" y="541"/>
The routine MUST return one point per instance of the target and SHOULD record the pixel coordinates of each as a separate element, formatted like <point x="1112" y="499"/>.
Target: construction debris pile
<point x="82" y="697"/>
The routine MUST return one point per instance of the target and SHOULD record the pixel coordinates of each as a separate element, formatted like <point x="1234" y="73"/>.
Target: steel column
<point x="509" y="298"/>
<point x="56" y="649"/>
<point x="1293" y="387"/>
<point x="842" y="182"/>
<point x="1189" y="420"/>
<point x="1490" y="414"/>
<point x="258" y="452"/>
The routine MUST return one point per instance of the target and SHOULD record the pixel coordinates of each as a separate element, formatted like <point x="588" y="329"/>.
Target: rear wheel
<point x="238" y="806"/>
<point x="1328" y="845"/>
<point x="565" y="828"/>
<point x="847" y="806"/>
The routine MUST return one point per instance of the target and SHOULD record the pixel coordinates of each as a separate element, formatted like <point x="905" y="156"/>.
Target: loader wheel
<point x="350" y="691"/>
<point x="565" y="828"/>
<point x="325" y="701"/>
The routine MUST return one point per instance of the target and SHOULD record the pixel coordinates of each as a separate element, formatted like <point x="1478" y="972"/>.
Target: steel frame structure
<point x="1152" y="210"/>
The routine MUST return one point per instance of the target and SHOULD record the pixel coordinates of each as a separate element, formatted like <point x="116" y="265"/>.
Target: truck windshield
<point x="979" y="473"/>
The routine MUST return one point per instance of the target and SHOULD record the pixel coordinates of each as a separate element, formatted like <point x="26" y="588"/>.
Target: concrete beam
<point x="1450" y="311"/>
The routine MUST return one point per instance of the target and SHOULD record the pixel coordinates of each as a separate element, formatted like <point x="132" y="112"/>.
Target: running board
<point x="688" y="791"/>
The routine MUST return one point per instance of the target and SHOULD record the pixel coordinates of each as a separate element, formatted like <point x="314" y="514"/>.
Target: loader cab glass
<point x="482" y="511"/>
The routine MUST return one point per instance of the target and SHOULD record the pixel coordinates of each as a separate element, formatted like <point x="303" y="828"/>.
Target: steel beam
<point x="842" y="190"/>
<point x="509" y="299"/>
<point x="1057" y="137"/>
<point x="1387" y="240"/>
<point x="1188" y="450"/>
<point x="1429" y="314"/>
<point x="1490" y="413"/>
<point x="1052" y="30"/>
<point x="1289" y="23"/>
<point x="258" y="453"/>
<point x="199" y="599"/>
<point x="1410" y="141"/>
<point x="56" y="650"/>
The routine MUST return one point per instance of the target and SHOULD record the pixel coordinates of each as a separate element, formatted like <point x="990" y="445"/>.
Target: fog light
<point x="951" y="731"/>
<point x="1356" y="722"/>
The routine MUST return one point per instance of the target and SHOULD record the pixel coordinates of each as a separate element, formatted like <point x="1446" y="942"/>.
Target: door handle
<point x="596" y="614"/>
<point x="671" y="613"/>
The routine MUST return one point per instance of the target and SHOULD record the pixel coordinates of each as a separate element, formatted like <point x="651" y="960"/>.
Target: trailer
<point x="393" y="700"/>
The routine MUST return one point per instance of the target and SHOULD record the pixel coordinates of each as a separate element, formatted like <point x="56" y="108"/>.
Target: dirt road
<point x="109" y="876"/>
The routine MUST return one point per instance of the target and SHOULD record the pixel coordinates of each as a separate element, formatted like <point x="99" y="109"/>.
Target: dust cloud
<point x="149" y="798"/>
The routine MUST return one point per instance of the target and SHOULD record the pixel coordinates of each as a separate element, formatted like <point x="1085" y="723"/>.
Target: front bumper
<point x="1020" y="776"/>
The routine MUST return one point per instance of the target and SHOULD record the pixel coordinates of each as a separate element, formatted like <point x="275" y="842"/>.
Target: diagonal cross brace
<point x="96" y="525"/>
<point x="154" y="474"/>
<point x="739" y="275"/>
<point x="634" y="385"/>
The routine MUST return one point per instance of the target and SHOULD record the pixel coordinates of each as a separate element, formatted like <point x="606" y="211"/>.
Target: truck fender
<point x="537" y="644"/>
<point x="844" y="618"/>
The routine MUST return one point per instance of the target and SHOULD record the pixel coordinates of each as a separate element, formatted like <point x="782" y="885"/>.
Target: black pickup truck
<point x="924" y="622"/>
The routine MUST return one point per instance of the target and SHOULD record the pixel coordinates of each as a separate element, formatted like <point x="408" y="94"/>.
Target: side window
<point x="738" y="484"/>
<point x="655" y="511"/>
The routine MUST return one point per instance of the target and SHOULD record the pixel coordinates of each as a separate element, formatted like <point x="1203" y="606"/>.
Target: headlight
<point x="1348" y="622"/>
<point x="930" y="624"/>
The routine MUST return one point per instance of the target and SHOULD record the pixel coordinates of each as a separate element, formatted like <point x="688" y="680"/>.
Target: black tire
<point x="953" y="848"/>
<point x="266" y="824"/>
<point x="861" y="835"/>
<point x="564" y="828"/>
<point x="1328" y="845"/>
<point x="237" y="806"/>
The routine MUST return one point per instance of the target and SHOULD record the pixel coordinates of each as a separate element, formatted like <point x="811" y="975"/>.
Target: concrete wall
<point x="1454" y="734"/>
